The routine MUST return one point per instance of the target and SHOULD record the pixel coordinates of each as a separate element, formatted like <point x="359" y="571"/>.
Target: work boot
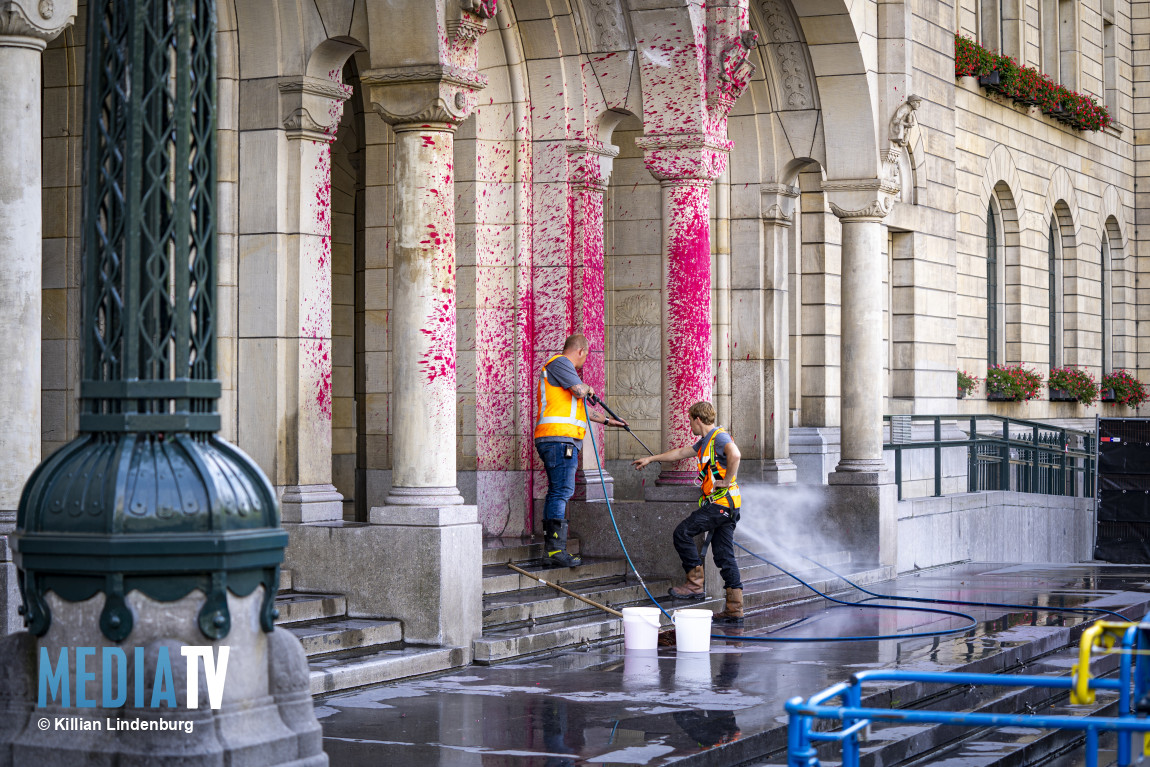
<point x="733" y="612"/>
<point x="693" y="588"/>
<point x="555" y="545"/>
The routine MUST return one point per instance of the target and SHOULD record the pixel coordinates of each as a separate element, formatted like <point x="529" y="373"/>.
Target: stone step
<point x="355" y="668"/>
<point x="545" y="602"/>
<point x="499" y="578"/>
<point x="332" y="635"/>
<point x="296" y="607"/>
<point x="591" y="626"/>
<point x="498" y="551"/>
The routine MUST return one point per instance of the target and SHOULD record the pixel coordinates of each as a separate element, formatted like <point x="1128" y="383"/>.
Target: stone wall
<point x="994" y="527"/>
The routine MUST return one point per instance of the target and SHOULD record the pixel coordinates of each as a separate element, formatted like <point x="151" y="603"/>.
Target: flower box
<point x="1108" y="395"/>
<point x="994" y="396"/>
<point x="1061" y="395"/>
<point x="990" y="79"/>
<point x="961" y="394"/>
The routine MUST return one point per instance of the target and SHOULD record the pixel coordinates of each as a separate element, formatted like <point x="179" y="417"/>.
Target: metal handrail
<point x="1046" y="457"/>
<point x="801" y="735"/>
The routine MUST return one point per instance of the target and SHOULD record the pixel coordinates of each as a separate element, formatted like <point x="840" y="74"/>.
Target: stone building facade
<point x="781" y="206"/>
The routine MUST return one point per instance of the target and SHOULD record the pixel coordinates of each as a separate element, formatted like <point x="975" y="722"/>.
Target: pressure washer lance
<point x="594" y="400"/>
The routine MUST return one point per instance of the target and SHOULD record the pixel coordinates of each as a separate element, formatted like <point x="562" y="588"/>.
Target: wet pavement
<point x="605" y="706"/>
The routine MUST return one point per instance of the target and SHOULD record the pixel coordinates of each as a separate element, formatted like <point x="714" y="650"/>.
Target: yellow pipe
<point x="1106" y="631"/>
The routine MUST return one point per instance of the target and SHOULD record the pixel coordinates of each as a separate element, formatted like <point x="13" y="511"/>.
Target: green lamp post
<point x="148" y="497"/>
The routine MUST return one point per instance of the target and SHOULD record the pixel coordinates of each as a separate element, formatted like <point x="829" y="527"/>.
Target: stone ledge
<point x="424" y="516"/>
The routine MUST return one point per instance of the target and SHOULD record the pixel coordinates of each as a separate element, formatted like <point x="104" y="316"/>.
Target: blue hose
<point x="973" y="622"/>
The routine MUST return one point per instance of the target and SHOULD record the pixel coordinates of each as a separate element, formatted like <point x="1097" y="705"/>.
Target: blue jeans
<point x="560" y="477"/>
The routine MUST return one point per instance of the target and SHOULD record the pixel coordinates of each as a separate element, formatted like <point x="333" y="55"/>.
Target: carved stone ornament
<point x="312" y="107"/>
<point x="590" y="164"/>
<point x="877" y="198"/>
<point x="610" y="30"/>
<point x="40" y="21"/>
<point x="778" y="203"/>
<point x="484" y="9"/>
<point x="787" y="51"/>
<point x="685" y="157"/>
<point x="735" y="70"/>
<point x="903" y="120"/>
<point x="441" y="93"/>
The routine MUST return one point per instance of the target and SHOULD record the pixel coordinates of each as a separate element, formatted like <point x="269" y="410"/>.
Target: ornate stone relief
<point x="778" y="203"/>
<point x="484" y="9"/>
<point x="790" y="61"/>
<point x="636" y="342"/>
<point x="41" y="21"/>
<point x="638" y="309"/>
<point x="302" y="98"/>
<point x="637" y="379"/>
<point x="434" y="94"/>
<point x="898" y="152"/>
<point x="608" y="29"/>
<point x="590" y="165"/>
<point x="735" y="70"/>
<point x="875" y="197"/>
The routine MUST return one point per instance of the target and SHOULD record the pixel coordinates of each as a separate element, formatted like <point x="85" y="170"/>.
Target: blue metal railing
<point x="1024" y="456"/>
<point x="801" y="735"/>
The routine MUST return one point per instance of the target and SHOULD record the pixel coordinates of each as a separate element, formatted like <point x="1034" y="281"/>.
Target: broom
<point x="666" y="634"/>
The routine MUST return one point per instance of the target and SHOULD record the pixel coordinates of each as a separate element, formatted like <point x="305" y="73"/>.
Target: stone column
<point x="865" y="497"/>
<point x="589" y="171"/>
<point x="423" y="321"/>
<point x="314" y="107"/>
<point x="778" y="215"/>
<point x="686" y="165"/>
<point x="25" y="30"/>
<point x="424" y="515"/>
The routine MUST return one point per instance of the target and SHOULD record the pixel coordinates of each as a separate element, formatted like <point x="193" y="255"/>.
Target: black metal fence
<point x="1005" y="454"/>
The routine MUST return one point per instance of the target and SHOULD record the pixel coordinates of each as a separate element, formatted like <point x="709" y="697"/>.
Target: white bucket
<point x="641" y="628"/>
<point x="692" y="630"/>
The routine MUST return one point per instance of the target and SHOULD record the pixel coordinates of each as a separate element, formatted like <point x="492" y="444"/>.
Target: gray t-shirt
<point x="721" y="441"/>
<point x="562" y="373"/>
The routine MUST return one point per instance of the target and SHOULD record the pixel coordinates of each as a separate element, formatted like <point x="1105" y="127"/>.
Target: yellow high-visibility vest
<point x="561" y="414"/>
<point x="709" y="469"/>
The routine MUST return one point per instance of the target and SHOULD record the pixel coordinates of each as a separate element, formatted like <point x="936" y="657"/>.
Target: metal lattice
<point x="150" y="241"/>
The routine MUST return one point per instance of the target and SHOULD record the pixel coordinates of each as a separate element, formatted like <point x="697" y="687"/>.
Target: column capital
<point x="778" y="203"/>
<point x="442" y="94"/>
<point x="868" y="199"/>
<point x="312" y="106"/>
<point x="685" y="157"/>
<point x="590" y="164"/>
<point x="33" y="23"/>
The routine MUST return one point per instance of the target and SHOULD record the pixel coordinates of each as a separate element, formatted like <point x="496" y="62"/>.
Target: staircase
<point x="348" y="652"/>
<point x="891" y="744"/>
<point x="522" y="618"/>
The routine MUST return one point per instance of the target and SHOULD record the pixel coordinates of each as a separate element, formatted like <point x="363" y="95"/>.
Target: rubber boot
<point x="555" y="545"/>
<point x="733" y="612"/>
<point x="693" y="588"/>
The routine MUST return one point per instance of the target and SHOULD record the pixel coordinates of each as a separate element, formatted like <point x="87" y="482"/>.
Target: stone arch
<point x="839" y="58"/>
<point x="1121" y="300"/>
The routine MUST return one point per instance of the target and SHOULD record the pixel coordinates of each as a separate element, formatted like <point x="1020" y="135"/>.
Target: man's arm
<point x="581" y="390"/>
<point x="671" y="456"/>
<point x="733" y="458"/>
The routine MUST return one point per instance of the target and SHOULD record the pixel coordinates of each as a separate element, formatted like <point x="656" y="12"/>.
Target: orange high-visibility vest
<point x="561" y="414"/>
<point x="709" y="469"/>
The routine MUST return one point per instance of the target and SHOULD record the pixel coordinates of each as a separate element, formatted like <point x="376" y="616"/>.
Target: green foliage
<point x="967" y="382"/>
<point x="1075" y="381"/>
<point x="1128" y="390"/>
<point x="1029" y="86"/>
<point x="1015" y="382"/>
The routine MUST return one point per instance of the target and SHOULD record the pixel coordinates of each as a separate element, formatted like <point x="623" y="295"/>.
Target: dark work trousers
<point x="722" y="520"/>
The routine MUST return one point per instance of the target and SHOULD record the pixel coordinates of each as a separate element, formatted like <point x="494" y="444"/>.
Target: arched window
<point x="992" y="318"/>
<point x="1107" y="334"/>
<point x="1054" y="293"/>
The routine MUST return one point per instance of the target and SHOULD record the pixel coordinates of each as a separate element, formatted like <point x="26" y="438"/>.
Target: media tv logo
<point x="75" y="667"/>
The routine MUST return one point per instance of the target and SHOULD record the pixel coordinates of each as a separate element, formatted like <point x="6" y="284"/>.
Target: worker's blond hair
<point x="704" y="411"/>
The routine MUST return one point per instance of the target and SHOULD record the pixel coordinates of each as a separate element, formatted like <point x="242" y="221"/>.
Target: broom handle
<point x="568" y="592"/>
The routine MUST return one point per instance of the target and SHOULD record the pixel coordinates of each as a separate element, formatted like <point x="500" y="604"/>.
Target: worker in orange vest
<point x="559" y="438"/>
<point x="717" y="457"/>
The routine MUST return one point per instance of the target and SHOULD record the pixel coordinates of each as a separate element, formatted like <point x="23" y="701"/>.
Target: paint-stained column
<point x="588" y="172"/>
<point x="25" y="30"/>
<point x="686" y="166"/>
<point x="313" y="108"/>
<point x="423" y="321"/>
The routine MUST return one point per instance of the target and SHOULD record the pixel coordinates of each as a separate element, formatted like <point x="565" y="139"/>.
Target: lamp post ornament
<point x="148" y="506"/>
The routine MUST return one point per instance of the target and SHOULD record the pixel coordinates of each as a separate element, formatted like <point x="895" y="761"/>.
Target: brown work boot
<point x="733" y="612"/>
<point x="693" y="588"/>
